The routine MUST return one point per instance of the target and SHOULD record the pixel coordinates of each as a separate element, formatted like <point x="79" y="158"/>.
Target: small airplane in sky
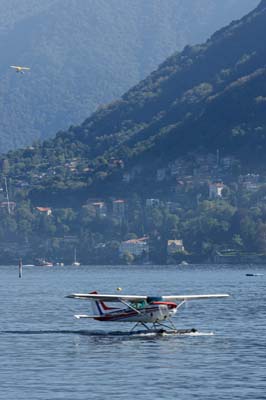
<point x="150" y="312"/>
<point x="20" y="69"/>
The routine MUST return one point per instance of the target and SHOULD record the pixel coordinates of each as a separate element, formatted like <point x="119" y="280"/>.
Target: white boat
<point x="183" y="263"/>
<point x="43" y="263"/>
<point x="75" y="262"/>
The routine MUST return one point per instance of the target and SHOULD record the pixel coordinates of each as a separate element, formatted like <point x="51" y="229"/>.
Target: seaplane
<point x="19" y="69"/>
<point x="153" y="313"/>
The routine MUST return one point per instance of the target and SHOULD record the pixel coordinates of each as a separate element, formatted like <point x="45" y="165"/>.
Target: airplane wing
<point x="106" y="297"/>
<point x="19" y="67"/>
<point x="133" y="298"/>
<point x="194" y="297"/>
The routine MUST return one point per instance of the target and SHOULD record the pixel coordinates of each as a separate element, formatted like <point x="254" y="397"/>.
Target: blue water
<point x="45" y="354"/>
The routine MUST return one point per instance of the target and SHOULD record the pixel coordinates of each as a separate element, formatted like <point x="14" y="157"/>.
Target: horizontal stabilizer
<point x="79" y="316"/>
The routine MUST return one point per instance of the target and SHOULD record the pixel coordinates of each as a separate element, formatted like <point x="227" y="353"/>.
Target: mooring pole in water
<point x="20" y="268"/>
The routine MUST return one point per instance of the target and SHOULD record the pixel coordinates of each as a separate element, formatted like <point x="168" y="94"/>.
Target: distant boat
<point x="254" y="274"/>
<point x="184" y="263"/>
<point x="75" y="262"/>
<point x="40" y="262"/>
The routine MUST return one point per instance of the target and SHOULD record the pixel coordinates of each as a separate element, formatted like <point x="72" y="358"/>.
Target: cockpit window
<point x="139" y="304"/>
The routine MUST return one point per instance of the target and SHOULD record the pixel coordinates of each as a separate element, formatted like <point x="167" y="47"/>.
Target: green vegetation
<point x="207" y="97"/>
<point x="211" y="227"/>
<point x="199" y="119"/>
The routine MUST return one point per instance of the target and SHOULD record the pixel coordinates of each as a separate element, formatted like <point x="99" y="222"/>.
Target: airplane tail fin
<point x="99" y="307"/>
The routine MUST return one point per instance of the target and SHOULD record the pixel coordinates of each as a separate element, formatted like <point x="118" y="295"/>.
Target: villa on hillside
<point x="8" y="205"/>
<point x="136" y="247"/>
<point x="44" y="210"/>
<point x="215" y="190"/>
<point x="174" y="246"/>
<point x="100" y="209"/>
<point x="119" y="209"/>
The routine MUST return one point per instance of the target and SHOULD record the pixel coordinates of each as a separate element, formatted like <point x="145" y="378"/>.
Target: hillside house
<point x="250" y="182"/>
<point x="100" y="209"/>
<point x="8" y="205"/>
<point x="215" y="190"/>
<point x="175" y="246"/>
<point x="119" y="209"/>
<point x="227" y="162"/>
<point x="136" y="247"/>
<point x="44" y="210"/>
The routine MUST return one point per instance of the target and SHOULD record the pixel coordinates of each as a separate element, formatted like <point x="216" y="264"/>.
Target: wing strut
<point x="130" y="306"/>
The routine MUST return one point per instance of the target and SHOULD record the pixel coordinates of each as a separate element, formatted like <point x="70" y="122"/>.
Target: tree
<point x="261" y="237"/>
<point x="237" y="242"/>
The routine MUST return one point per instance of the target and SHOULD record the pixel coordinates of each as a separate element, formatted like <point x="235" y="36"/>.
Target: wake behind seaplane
<point x="19" y="69"/>
<point x="150" y="312"/>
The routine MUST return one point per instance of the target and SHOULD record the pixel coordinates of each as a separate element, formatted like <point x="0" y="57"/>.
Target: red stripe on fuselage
<point x="126" y="314"/>
<point x="169" y="304"/>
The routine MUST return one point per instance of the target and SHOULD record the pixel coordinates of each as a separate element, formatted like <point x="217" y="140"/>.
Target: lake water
<point x="46" y="354"/>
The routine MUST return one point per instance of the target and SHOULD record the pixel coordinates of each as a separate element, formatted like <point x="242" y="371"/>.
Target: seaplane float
<point x="153" y="313"/>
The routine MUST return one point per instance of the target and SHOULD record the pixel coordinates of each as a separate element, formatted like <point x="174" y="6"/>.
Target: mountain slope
<point x="207" y="97"/>
<point x="189" y="87"/>
<point x="85" y="53"/>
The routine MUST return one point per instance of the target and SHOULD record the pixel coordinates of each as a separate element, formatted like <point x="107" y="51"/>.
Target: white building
<point x="100" y="209"/>
<point x="215" y="190"/>
<point x="173" y="246"/>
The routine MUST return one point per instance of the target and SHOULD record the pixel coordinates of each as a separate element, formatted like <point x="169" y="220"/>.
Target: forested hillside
<point x="176" y="166"/>
<point x="83" y="54"/>
<point x="209" y="96"/>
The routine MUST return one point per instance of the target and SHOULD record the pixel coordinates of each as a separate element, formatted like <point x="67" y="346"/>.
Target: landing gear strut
<point x="156" y="326"/>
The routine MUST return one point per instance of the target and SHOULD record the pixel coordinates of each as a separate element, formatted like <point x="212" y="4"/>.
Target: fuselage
<point x="150" y="313"/>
